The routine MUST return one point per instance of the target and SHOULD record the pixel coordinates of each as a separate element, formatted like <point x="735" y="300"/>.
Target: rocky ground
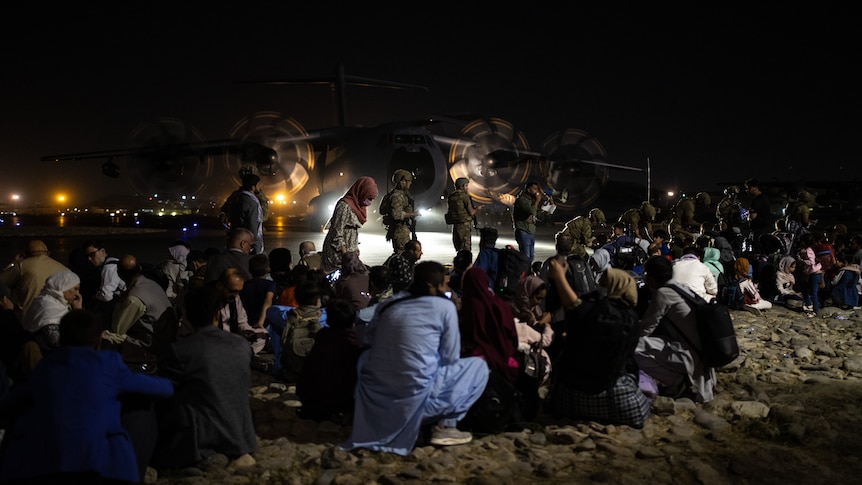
<point x="787" y="411"/>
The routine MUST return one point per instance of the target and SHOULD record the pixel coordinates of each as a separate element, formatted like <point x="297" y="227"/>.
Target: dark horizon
<point x="704" y="94"/>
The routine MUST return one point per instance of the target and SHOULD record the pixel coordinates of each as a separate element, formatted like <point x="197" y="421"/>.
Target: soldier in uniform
<point x="400" y="224"/>
<point x="683" y="224"/>
<point x="638" y="220"/>
<point x="460" y="215"/>
<point x="581" y="230"/>
<point x="727" y="210"/>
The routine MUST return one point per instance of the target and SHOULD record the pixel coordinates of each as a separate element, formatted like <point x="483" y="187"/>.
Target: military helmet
<point x="806" y="197"/>
<point x="597" y="216"/>
<point x="703" y="197"/>
<point x="647" y="210"/>
<point x="731" y="190"/>
<point x="400" y="175"/>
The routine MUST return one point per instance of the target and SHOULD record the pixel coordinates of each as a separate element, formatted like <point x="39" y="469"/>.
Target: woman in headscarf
<point x="596" y="376"/>
<point x="61" y="293"/>
<point x="528" y="303"/>
<point x="752" y="300"/>
<point x="785" y="283"/>
<point x="350" y="213"/>
<point x="712" y="260"/>
<point x="487" y="324"/>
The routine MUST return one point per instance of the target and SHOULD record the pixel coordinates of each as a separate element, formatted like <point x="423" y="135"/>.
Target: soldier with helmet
<point x="703" y="211"/>
<point x="461" y="214"/>
<point x="581" y="230"/>
<point x="683" y="223"/>
<point x="728" y="207"/>
<point x="638" y="220"/>
<point x="400" y="222"/>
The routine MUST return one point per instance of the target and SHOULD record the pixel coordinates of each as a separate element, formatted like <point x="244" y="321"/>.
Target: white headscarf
<point x="179" y="253"/>
<point x="50" y="306"/>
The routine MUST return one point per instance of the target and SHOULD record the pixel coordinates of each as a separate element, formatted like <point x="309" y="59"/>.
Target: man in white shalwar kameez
<point x="412" y="373"/>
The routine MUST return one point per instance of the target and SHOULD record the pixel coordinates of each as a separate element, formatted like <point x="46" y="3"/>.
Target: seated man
<point x="64" y="422"/>
<point x="328" y="377"/>
<point x="211" y="370"/>
<point x="232" y="315"/>
<point x="143" y="316"/>
<point x="667" y="327"/>
<point x="412" y="373"/>
<point x="308" y="255"/>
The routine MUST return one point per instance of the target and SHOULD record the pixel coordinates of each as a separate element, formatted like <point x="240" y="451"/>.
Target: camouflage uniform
<point x="400" y="227"/>
<point x="728" y="208"/>
<point x="682" y="222"/>
<point x="581" y="231"/>
<point x="638" y="220"/>
<point x="462" y="221"/>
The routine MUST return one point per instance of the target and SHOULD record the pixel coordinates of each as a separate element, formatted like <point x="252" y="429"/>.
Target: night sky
<point x="705" y="94"/>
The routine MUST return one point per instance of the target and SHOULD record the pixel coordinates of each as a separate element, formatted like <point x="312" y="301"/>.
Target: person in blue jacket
<point x="63" y="423"/>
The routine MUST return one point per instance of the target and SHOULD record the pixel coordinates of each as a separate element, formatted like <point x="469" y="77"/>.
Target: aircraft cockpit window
<point x="409" y="139"/>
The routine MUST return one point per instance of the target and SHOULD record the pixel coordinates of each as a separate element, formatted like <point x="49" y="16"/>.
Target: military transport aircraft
<point x="313" y="168"/>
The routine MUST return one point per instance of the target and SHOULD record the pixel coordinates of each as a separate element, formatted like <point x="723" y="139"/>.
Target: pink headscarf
<point x="359" y="196"/>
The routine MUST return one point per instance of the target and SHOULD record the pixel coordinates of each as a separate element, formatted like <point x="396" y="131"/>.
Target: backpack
<point x="601" y="345"/>
<point x="156" y="273"/>
<point x="385" y="208"/>
<point x="628" y="255"/>
<point x="718" y="345"/>
<point x="729" y="293"/>
<point x="513" y="267"/>
<point x="532" y="367"/>
<point x="496" y="409"/>
<point x="296" y="342"/>
<point x="581" y="278"/>
<point x="227" y="210"/>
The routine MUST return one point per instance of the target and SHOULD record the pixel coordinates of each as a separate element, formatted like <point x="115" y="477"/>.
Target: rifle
<point x="411" y="222"/>
<point x="475" y="222"/>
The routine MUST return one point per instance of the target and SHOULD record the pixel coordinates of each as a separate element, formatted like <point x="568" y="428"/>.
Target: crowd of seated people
<point x="405" y="327"/>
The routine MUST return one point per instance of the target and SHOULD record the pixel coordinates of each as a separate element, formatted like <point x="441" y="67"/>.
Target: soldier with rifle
<point x="401" y="220"/>
<point x="462" y="215"/>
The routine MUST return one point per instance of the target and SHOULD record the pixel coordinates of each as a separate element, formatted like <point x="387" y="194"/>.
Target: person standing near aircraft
<point x="462" y="215"/>
<point x="400" y="221"/>
<point x="243" y="209"/>
<point x="525" y="213"/>
<point x="350" y="213"/>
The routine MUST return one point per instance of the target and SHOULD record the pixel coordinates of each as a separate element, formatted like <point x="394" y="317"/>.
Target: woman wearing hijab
<point x="753" y="302"/>
<point x="527" y="305"/>
<point x="350" y="213"/>
<point x="600" y="261"/>
<point x="61" y="293"/>
<point x="487" y="325"/>
<point x="785" y="283"/>
<point x="596" y="376"/>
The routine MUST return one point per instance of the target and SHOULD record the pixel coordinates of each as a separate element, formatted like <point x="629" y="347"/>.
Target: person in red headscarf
<point x="350" y="213"/>
<point x="487" y="325"/>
